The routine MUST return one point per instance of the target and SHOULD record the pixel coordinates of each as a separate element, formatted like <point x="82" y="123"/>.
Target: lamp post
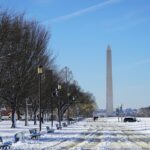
<point x="117" y="113"/>
<point x="40" y="72"/>
<point x="74" y="102"/>
<point x="59" y="107"/>
<point x="121" y="112"/>
<point x="52" y="111"/>
<point x="52" y="99"/>
<point x="49" y="75"/>
<point x="68" y="113"/>
<point x="26" y="114"/>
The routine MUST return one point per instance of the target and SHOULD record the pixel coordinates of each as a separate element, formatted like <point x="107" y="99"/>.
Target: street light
<point x="121" y="112"/>
<point x="59" y="111"/>
<point x="76" y="108"/>
<point x="40" y="72"/>
<point x="26" y="113"/>
<point x="68" y="113"/>
<point x="51" y="73"/>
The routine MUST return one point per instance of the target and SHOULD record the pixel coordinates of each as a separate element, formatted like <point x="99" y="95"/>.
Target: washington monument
<point x="109" y="84"/>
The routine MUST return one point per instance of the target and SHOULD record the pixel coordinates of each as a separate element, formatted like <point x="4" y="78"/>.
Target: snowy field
<point x="103" y="134"/>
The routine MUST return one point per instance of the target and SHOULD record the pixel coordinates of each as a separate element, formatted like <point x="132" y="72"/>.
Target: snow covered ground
<point x="103" y="134"/>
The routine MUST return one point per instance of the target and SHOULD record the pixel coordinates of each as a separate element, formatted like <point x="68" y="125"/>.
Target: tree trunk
<point x="35" y="123"/>
<point x="61" y="115"/>
<point x="42" y="117"/>
<point x="13" y="117"/>
<point x="26" y="116"/>
<point x="18" y="114"/>
<point x="58" y="114"/>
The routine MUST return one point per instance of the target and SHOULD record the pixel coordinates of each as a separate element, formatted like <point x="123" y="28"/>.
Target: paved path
<point x="105" y="135"/>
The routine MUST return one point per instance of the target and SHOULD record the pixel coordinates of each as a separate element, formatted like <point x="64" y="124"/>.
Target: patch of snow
<point x="105" y="133"/>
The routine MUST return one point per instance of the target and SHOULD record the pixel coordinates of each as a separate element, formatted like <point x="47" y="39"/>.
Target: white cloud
<point x="85" y="10"/>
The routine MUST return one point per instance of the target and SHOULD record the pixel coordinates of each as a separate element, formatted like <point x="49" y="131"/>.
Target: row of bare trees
<point x="24" y="47"/>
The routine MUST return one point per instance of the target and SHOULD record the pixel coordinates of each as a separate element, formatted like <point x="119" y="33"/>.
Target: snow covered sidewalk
<point x="125" y="136"/>
<point x="103" y="134"/>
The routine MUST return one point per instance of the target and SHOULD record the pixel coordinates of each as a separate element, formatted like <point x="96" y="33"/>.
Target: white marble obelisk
<point x="109" y="83"/>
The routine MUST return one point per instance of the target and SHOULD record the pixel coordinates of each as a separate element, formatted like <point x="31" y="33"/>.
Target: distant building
<point x="130" y="112"/>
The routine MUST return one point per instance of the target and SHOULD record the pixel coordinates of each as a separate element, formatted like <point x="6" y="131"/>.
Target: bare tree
<point x="23" y="47"/>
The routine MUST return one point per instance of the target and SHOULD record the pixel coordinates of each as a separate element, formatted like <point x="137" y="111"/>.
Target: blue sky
<point x="81" y="31"/>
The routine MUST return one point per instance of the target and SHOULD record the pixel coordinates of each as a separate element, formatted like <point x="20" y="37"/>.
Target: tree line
<point x="23" y="48"/>
<point x="144" y="112"/>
